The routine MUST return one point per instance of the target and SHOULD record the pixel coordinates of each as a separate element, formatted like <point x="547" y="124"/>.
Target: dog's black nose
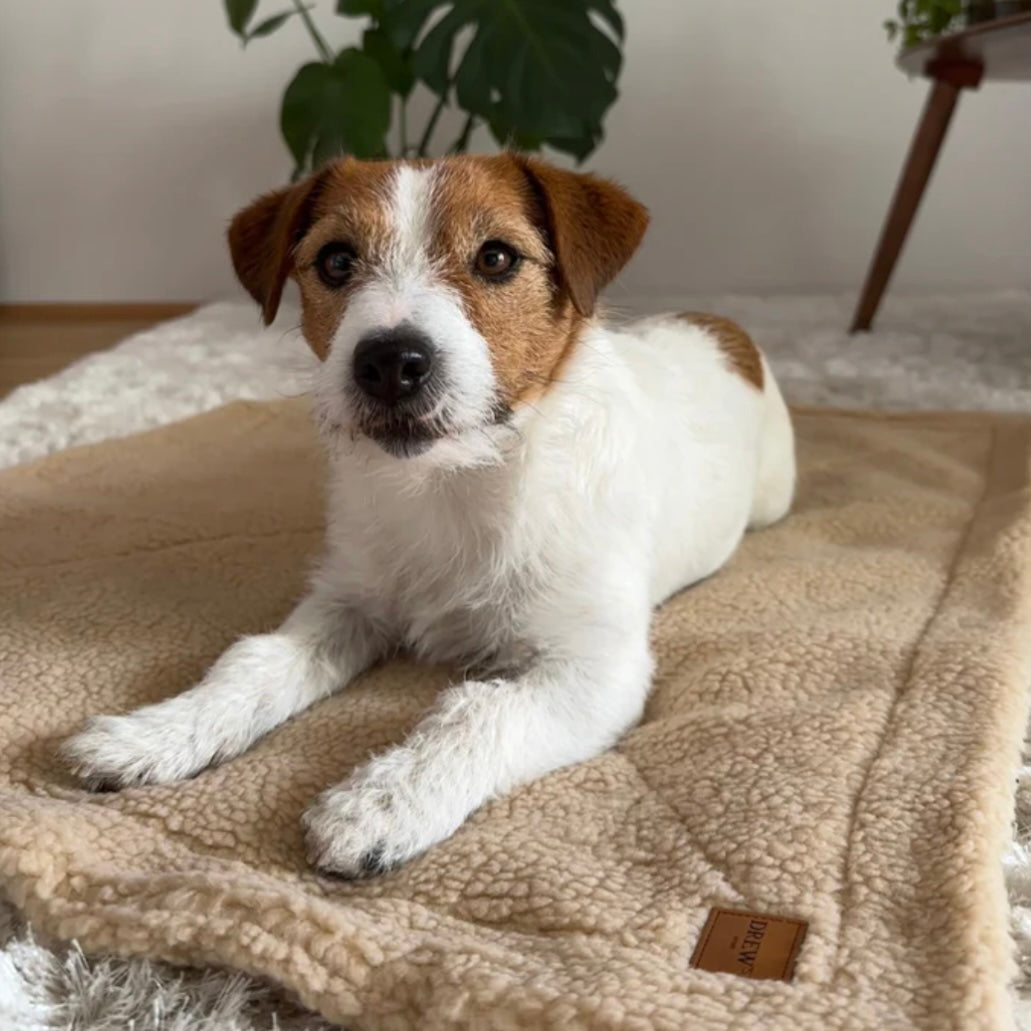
<point x="393" y="366"/>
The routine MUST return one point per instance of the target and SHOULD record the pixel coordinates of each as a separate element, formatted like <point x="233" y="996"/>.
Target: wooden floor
<point x="39" y="340"/>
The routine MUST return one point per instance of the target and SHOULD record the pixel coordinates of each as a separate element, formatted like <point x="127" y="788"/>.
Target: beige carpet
<point x="832" y="739"/>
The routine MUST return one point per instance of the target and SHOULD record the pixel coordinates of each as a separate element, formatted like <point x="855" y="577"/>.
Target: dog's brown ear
<point x="594" y="225"/>
<point x="263" y="236"/>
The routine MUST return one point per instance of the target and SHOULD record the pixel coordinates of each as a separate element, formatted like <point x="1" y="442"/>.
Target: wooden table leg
<point x="923" y="152"/>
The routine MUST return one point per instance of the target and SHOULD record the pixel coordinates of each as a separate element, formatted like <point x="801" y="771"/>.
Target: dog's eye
<point x="496" y="260"/>
<point x="334" y="263"/>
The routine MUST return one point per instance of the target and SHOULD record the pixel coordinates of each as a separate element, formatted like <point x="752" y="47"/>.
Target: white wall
<point x="765" y="137"/>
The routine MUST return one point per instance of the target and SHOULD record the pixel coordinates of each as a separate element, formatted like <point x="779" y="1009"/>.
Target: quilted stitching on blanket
<point x="832" y="736"/>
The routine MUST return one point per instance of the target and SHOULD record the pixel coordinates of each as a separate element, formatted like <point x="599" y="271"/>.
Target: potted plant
<point x="920" y="20"/>
<point x="535" y="72"/>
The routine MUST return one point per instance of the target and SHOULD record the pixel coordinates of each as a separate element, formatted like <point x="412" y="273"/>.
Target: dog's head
<point x="439" y="295"/>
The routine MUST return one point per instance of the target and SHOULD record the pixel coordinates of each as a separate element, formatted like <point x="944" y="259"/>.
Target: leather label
<point x="749" y="944"/>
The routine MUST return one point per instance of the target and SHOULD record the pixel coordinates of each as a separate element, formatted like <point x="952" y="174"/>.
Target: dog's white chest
<point x="466" y="611"/>
<point x="438" y="572"/>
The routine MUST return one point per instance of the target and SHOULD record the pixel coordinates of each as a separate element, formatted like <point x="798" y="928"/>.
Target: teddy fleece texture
<point x="832" y="737"/>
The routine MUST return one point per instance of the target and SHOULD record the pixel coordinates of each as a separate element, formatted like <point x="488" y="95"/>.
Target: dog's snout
<point x="393" y="366"/>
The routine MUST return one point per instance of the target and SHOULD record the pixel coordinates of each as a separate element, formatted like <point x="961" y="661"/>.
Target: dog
<point x="514" y="486"/>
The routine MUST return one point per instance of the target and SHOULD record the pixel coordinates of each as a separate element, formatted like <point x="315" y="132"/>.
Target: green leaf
<point x="239" y="13"/>
<point x="608" y="54"/>
<point x="920" y="20"/>
<point x="269" y="25"/>
<point x="579" y="146"/>
<point x="537" y="70"/>
<point x="404" y="19"/>
<point x="607" y="10"/>
<point x="506" y="136"/>
<point x="472" y="82"/>
<point x="432" y="60"/>
<point x="356" y="8"/>
<point x="392" y="63"/>
<point x="401" y="19"/>
<point x="338" y="108"/>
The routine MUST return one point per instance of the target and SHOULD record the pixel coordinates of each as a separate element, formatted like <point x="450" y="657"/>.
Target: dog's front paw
<point x="373" y="823"/>
<point x="120" y="751"/>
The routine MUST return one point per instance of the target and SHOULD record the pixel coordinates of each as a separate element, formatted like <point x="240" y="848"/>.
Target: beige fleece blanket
<point x="831" y="740"/>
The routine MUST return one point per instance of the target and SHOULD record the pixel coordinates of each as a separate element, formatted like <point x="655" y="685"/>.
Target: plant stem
<point x="424" y="143"/>
<point x="462" y="143"/>
<point x="402" y="121"/>
<point x="320" y="44"/>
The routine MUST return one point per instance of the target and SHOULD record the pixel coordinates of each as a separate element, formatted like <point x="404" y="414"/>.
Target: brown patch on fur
<point x="352" y="208"/>
<point x="594" y="225"/>
<point x="262" y="236"/>
<point x="532" y="321"/>
<point x="280" y="234"/>
<point x="527" y="321"/>
<point x="742" y="355"/>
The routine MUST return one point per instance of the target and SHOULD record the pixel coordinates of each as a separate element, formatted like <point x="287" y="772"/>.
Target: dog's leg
<point x="257" y="684"/>
<point x="482" y="739"/>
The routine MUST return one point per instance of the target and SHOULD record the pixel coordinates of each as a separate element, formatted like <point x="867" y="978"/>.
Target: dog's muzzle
<point x="397" y="381"/>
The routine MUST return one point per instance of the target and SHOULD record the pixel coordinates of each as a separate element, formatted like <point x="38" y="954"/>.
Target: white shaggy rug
<point x="947" y="351"/>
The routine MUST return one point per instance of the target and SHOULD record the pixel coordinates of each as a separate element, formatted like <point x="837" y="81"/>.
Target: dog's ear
<point x="263" y="236"/>
<point x="594" y="227"/>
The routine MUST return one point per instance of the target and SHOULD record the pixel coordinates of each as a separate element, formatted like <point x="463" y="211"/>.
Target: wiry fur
<point x="528" y="550"/>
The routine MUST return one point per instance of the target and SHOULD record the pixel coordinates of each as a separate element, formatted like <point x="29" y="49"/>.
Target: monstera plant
<point x="535" y="72"/>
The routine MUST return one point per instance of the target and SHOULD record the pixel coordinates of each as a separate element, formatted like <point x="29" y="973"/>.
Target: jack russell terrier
<point x="514" y="486"/>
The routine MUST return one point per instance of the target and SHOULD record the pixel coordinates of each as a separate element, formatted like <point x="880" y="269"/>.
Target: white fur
<point x="529" y="554"/>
